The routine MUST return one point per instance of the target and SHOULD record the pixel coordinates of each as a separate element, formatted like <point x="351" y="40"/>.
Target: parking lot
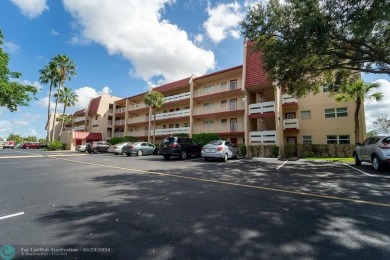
<point x="153" y="208"/>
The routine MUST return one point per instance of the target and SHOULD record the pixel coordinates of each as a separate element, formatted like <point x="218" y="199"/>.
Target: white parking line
<point x="12" y="215"/>
<point x="358" y="170"/>
<point x="280" y="166"/>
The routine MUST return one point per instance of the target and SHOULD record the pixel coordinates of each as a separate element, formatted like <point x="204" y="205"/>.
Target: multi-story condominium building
<point x="240" y="105"/>
<point x="94" y="123"/>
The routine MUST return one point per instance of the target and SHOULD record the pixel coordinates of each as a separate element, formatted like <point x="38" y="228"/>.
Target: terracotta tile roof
<point x="173" y="85"/>
<point x="218" y="72"/>
<point x="80" y="112"/>
<point x="93" y="106"/>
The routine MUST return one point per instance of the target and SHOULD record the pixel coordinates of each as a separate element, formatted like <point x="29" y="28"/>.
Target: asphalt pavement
<point x="70" y="205"/>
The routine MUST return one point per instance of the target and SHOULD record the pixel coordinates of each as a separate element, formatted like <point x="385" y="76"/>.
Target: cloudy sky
<point x="123" y="47"/>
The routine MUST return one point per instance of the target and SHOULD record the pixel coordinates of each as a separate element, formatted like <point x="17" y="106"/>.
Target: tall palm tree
<point x="358" y="92"/>
<point x="155" y="100"/>
<point x="65" y="68"/>
<point x="68" y="98"/>
<point x="49" y="75"/>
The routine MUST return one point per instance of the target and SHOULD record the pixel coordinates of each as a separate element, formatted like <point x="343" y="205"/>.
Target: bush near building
<point x="56" y="145"/>
<point x="117" y="140"/>
<point x="204" y="138"/>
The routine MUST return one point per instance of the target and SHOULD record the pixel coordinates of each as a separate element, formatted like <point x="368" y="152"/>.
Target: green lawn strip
<point x="331" y="159"/>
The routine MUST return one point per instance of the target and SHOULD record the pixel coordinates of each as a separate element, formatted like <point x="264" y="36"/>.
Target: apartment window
<point x="325" y="88"/>
<point x="186" y="124"/>
<point x="306" y="139"/>
<point x="338" y="139"/>
<point x="164" y="126"/>
<point x="177" y="125"/>
<point x="170" y="126"/>
<point x="223" y="86"/>
<point x="233" y="104"/>
<point x="208" y="106"/>
<point x="96" y="117"/>
<point x="177" y="109"/>
<point x="208" y="90"/>
<point x="233" y="84"/>
<point x="187" y="108"/>
<point x="305" y="114"/>
<point x="208" y="122"/>
<point x="224" y="121"/>
<point x="223" y="103"/>
<point x="336" y="112"/>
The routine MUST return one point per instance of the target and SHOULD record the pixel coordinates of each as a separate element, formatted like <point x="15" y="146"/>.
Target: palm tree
<point x="358" y="91"/>
<point x="155" y="100"/>
<point x="65" y="68"/>
<point x="68" y="98"/>
<point x="49" y="75"/>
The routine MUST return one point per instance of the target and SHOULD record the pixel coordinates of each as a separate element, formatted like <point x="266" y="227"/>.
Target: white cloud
<point x="198" y="38"/>
<point x="20" y="123"/>
<point x="223" y="21"/>
<point x="85" y="94"/>
<point x="137" y="30"/>
<point x="54" y="32"/>
<point x="375" y="109"/>
<point x="5" y="126"/>
<point x="11" y="47"/>
<point x="31" y="8"/>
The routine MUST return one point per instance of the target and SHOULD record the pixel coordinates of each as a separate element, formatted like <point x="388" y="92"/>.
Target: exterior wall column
<point x="150" y="124"/>
<point x="246" y="114"/>
<point x="126" y="117"/>
<point x="279" y="118"/>
<point x="191" y="104"/>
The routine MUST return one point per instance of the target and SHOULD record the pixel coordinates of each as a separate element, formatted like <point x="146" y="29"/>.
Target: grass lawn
<point x="332" y="159"/>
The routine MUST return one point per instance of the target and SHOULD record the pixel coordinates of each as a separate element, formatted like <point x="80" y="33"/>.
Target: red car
<point x="31" y="145"/>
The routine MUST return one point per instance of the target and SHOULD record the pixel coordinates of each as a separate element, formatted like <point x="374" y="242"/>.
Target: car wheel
<point x="95" y="150"/>
<point x="116" y="153"/>
<point x="140" y="153"/>
<point x="376" y="163"/>
<point x="206" y="159"/>
<point x="166" y="157"/>
<point x="225" y="158"/>
<point x="357" y="161"/>
<point x="183" y="155"/>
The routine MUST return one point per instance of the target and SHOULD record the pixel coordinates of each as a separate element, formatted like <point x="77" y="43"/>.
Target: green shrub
<point x="204" y="138"/>
<point x="242" y="150"/>
<point x="115" y="140"/>
<point x="130" y="139"/>
<point x="275" y="151"/>
<point x="56" y="145"/>
<point x="182" y="135"/>
<point x="290" y="150"/>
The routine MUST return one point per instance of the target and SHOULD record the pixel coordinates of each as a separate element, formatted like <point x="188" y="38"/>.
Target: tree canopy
<point x="308" y="43"/>
<point x="12" y="93"/>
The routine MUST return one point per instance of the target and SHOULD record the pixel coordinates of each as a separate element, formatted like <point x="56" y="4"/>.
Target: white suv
<point x="375" y="150"/>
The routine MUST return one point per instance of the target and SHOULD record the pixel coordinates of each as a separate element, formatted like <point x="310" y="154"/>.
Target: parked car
<point x="118" y="148"/>
<point x="81" y="147"/>
<point x="219" y="149"/>
<point x="31" y="145"/>
<point x="9" y="144"/>
<point x="179" y="146"/>
<point x="97" y="146"/>
<point x="139" y="148"/>
<point x="375" y="150"/>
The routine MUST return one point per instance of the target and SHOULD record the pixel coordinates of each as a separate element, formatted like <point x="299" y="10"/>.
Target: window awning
<point x="87" y="136"/>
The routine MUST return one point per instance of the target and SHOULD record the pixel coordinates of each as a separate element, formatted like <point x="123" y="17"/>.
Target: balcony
<point x="290" y="124"/>
<point x="138" y="133"/>
<point x="226" y="128"/>
<point x="120" y="110"/>
<point x="80" y="127"/>
<point x="119" y="134"/>
<point x="172" y="131"/>
<point x="287" y="99"/>
<point x="215" y="90"/>
<point x="175" y="114"/>
<point x="135" y="120"/>
<point x="262" y="136"/>
<point x="177" y="97"/>
<point x="137" y="106"/>
<point x="95" y="122"/>
<point x="79" y="119"/>
<point x="218" y="108"/>
<point x="120" y="122"/>
<point x="262" y="108"/>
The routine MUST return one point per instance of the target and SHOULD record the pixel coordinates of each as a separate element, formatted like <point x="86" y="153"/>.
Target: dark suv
<point x="182" y="147"/>
<point x="95" y="147"/>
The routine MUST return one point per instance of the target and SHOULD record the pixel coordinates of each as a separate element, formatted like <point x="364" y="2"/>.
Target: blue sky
<point x="123" y="47"/>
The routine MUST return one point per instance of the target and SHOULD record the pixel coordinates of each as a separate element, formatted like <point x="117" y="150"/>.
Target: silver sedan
<point x="219" y="149"/>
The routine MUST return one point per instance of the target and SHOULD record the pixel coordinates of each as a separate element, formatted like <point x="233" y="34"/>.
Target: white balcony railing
<point x="290" y="124"/>
<point x="119" y="134"/>
<point x="138" y="133"/>
<point x="120" y="110"/>
<point x="177" y="97"/>
<point x="95" y="122"/>
<point x="168" y="131"/>
<point x="288" y="99"/>
<point x="175" y="114"/>
<point x="214" y="89"/>
<point x="80" y="127"/>
<point x="226" y="128"/>
<point x="263" y="107"/>
<point x="120" y="122"/>
<point x="79" y="119"/>
<point x="218" y="108"/>
<point x="141" y="119"/>
<point x="262" y="136"/>
<point x="137" y="106"/>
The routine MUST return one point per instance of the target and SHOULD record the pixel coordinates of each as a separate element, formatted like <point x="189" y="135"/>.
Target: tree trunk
<point x="48" y="113"/>
<point x="154" y="126"/>
<point x="55" y="114"/>
<point x="356" y="117"/>
<point x="63" y="119"/>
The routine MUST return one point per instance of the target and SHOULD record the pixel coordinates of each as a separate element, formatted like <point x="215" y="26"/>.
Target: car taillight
<point x="219" y="148"/>
<point x="174" y="145"/>
<point x="131" y="146"/>
<point x="384" y="146"/>
<point x="203" y="149"/>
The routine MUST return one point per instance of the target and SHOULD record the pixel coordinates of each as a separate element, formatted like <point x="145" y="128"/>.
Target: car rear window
<point x="215" y="142"/>
<point x="168" y="140"/>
